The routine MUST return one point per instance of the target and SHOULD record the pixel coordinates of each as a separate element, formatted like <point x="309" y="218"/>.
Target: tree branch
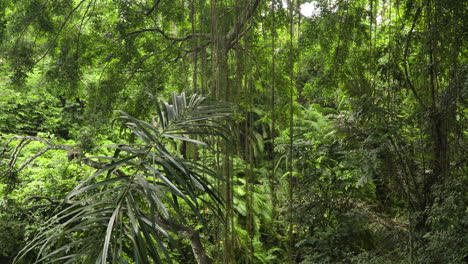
<point x="49" y="48"/>
<point x="237" y="31"/>
<point x="189" y="233"/>
<point x="405" y="56"/>
<point x="166" y="36"/>
<point x="72" y="153"/>
<point x="231" y="38"/>
<point x="155" y="5"/>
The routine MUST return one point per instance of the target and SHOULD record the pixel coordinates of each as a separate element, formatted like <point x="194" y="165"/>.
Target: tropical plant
<point x="138" y="200"/>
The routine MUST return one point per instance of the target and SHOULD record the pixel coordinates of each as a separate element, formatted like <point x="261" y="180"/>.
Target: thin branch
<point x="166" y="36"/>
<point x="234" y="35"/>
<point x="239" y="36"/>
<point x="71" y="151"/>
<point x="37" y="155"/>
<point x="58" y="34"/>
<point x="155" y="5"/>
<point x="37" y="198"/>
<point x="406" y="63"/>
<point x="16" y="150"/>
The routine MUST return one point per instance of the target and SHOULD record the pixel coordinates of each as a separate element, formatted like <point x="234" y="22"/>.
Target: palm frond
<point x="129" y="208"/>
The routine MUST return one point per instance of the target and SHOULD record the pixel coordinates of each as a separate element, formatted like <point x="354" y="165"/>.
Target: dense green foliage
<point x="337" y="137"/>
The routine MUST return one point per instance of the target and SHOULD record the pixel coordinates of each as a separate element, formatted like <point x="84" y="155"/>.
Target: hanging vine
<point x="291" y="130"/>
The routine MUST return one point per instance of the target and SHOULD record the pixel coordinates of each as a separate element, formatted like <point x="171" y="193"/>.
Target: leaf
<point x="110" y="226"/>
<point x="107" y="167"/>
<point x="184" y="139"/>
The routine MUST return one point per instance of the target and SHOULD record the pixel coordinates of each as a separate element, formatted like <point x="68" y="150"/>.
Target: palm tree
<point x="131" y="208"/>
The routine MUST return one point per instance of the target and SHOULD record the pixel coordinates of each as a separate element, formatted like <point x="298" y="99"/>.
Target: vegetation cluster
<point x="237" y="131"/>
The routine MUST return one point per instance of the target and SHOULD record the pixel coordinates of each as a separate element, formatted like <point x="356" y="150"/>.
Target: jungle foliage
<point x="245" y="131"/>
